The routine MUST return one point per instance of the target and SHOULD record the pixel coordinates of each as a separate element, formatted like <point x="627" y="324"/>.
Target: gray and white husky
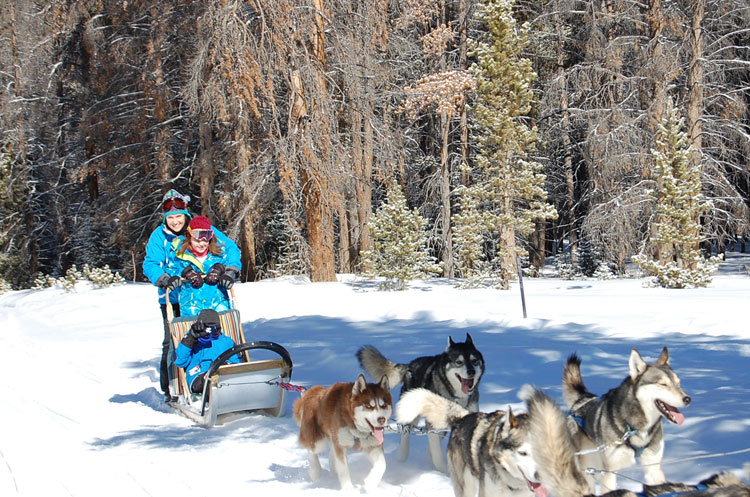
<point x="487" y="452"/>
<point x="454" y="374"/>
<point x="559" y="469"/>
<point x="626" y="422"/>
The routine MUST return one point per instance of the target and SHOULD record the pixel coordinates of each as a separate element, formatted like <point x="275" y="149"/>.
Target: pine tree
<point x="399" y="244"/>
<point x="507" y="191"/>
<point x="679" y="204"/>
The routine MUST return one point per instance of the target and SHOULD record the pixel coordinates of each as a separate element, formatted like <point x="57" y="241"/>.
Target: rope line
<point x="287" y="386"/>
<point x="704" y="456"/>
<point x="613" y="443"/>
<point x="593" y="471"/>
<point x="416" y="430"/>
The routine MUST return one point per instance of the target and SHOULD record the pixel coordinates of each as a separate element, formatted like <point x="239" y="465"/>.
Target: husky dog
<point x="454" y="374"/>
<point x="559" y="470"/>
<point x="487" y="452"/>
<point x="348" y="416"/>
<point x="552" y="447"/>
<point x="625" y="422"/>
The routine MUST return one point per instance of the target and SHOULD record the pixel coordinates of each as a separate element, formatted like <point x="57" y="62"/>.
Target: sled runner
<point x="252" y="385"/>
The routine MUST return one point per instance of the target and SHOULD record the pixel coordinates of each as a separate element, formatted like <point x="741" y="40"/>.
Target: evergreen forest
<point x="599" y="130"/>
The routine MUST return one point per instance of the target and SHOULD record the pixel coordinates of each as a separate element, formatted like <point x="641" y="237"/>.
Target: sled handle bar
<point x="224" y="357"/>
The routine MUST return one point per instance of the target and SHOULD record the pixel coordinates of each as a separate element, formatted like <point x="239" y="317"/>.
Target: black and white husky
<point x="487" y="452"/>
<point x="454" y="375"/>
<point x="626" y="422"/>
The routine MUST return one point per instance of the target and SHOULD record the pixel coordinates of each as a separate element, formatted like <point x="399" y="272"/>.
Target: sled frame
<point x="229" y="388"/>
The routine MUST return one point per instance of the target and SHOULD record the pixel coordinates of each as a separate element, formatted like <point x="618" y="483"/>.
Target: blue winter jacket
<point x="198" y="359"/>
<point x="158" y="251"/>
<point x="194" y="300"/>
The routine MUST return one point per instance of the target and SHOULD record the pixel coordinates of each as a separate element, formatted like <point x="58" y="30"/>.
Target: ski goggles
<point x="173" y="204"/>
<point x="202" y="235"/>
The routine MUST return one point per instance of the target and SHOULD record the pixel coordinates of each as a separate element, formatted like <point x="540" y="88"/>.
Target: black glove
<point x="226" y="281"/>
<point x="193" y="277"/>
<point x="189" y="340"/>
<point x="232" y="271"/>
<point x="174" y="283"/>
<point x="230" y="275"/>
<point x="214" y="274"/>
<point x="198" y="329"/>
<point x="162" y="281"/>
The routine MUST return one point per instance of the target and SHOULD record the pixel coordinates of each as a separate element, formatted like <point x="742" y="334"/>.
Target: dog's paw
<point x="369" y="486"/>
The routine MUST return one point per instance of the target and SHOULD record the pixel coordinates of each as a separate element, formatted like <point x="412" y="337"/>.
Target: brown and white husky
<point x="346" y="416"/>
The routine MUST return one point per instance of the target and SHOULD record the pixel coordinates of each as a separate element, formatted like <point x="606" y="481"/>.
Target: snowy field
<point x="82" y="414"/>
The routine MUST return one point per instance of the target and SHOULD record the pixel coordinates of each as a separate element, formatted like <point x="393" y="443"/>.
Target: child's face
<point x="199" y="240"/>
<point x="199" y="245"/>
<point x="176" y="222"/>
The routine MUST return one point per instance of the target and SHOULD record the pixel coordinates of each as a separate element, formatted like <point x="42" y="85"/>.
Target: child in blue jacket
<point x="200" y="347"/>
<point x="203" y="262"/>
<point x="175" y="218"/>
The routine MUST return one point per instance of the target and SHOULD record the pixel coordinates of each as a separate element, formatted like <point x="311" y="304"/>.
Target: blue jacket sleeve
<point x="182" y="355"/>
<point x="157" y="249"/>
<point x="231" y="250"/>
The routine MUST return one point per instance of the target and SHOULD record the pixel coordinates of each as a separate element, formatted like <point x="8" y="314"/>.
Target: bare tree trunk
<point x="319" y="226"/>
<point x="346" y="233"/>
<point x="694" y="116"/>
<point x="247" y="223"/>
<point x="358" y="231"/>
<point x="17" y="87"/>
<point x="570" y="194"/>
<point x="316" y="188"/>
<point x="364" y="184"/>
<point x="445" y="199"/>
<point x="508" y="242"/>
<point x="162" y="156"/>
<point x="206" y="166"/>
<point x="348" y="223"/>
<point x="656" y="77"/>
<point x="538" y="245"/>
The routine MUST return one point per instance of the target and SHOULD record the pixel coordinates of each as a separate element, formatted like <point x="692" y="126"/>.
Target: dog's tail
<point x="309" y="397"/>
<point x="438" y="411"/>
<point x="552" y="446"/>
<point x="572" y="383"/>
<point x="377" y="366"/>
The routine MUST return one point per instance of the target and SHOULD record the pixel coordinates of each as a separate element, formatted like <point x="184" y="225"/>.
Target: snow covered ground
<point x="82" y="414"/>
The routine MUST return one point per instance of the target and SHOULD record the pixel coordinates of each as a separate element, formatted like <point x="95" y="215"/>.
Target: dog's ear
<point x="664" y="357"/>
<point x="360" y="385"/>
<point x="510" y="422"/>
<point x="384" y="383"/>
<point x="469" y="341"/>
<point x="451" y="343"/>
<point x="637" y="364"/>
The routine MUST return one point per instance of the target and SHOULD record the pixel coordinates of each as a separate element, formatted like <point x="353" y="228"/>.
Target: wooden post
<point x="520" y="285"/>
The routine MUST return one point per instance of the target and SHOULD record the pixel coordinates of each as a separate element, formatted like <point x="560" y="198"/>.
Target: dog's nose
<point x="686" y="399"/>
<point x="381" y="420"/>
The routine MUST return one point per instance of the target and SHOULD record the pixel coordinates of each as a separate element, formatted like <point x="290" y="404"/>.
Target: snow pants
<point x="166" y="347"/>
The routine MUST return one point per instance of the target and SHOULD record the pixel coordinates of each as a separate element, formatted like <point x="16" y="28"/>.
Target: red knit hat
<point x="200" y="223"/>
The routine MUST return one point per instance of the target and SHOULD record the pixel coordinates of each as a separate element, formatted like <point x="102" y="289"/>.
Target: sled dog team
<point x="542" y="451"/>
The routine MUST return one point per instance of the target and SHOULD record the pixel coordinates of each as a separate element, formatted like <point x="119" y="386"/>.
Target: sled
<point x="252" y="385"/>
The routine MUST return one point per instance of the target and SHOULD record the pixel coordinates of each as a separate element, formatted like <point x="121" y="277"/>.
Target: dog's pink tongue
<point x="378" y="434"/>
<point x="675" y="414"/>
<point x="467" y="385"/>
<point x="538" y="489"/>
